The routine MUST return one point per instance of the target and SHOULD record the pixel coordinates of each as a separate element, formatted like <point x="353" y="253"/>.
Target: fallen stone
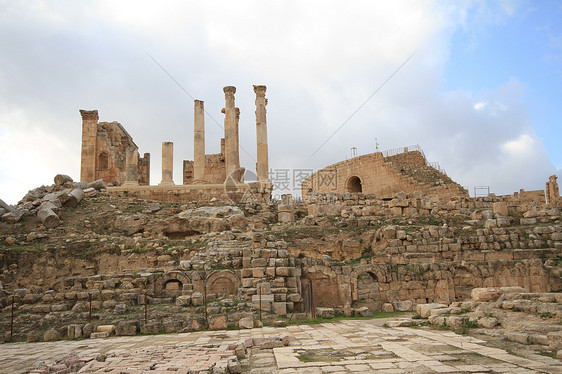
<point x="198" y="324"/>
<point x="218" y="322"/>
<point x="48" y="218"/>
<point x="97" y="184"/>
<point x="554" y="340"/>
<point x="401" y="322"/>
<point x="99" y="335"/>
<point x="151" y="328"/>
<point x="246" y="322"/>
<point x="325" y="312"/>
<point x="34" y="336"/>
<point x="130" y="224"/>
<point x="88" y="329"/>
<point x="184" y="300"/>
<point x="387" y="308"/>
<point x="61" y="179"/>
<point x="74" y="331"/>
<point x="6" y="207"/>
<point x="456" y="322"/>
<point x="51" y="335"/>
<point x="424" y="310"/>
<point x="485" y="294"/>
<point x="403" y="305"/>
<point x="74" y="198"/>
<point x="488" y="322"/>
<point x="127" y="328"/>
<point x="110" y="329"/>
<point x="13" y="216"/>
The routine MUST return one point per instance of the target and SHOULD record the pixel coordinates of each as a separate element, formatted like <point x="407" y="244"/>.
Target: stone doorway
<point x="368" y="292"/>
<point x="354" y="184"/>
<point x="173" y="287"/>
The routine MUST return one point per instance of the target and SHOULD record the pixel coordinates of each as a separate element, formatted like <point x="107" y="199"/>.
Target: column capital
<point x="199" y="103"/>
<point x="89" y="114"/>
<point x="259" y="90"/>
<point x="229" y="90"/>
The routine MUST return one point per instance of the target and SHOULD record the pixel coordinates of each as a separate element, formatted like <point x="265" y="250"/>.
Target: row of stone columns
<point x="231" y="151"/>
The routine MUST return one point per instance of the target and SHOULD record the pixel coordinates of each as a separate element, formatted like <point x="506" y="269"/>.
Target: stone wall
<point x="215" y="171"/>
<point x="374" y="174"/>
<point x="109" y="153"/>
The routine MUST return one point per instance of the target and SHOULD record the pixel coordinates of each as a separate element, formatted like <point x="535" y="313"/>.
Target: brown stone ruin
<point x="380" y="232"/>
<point x="111" y="155"/>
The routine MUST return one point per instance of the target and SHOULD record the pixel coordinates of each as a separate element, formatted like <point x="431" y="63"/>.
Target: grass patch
<point x="545" y="315"/>
<point x="341" y="317"/>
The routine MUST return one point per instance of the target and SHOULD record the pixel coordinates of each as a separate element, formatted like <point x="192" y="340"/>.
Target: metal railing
<point x="397" y="151"/>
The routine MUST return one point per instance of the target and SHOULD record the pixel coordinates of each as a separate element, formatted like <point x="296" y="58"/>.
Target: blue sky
<point x="526" y="46"/>
<point x="481" y="95"/>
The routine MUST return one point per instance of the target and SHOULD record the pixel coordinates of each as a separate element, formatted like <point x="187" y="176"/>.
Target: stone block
<point x="488" y="322"/>
<point x="172" y="326"/>
<point x="283" y="271"/>
<point x="403" y="305"/>
<point x="387" y="308"/>
<point x="150" y="328"/>
<point x="34" y="336"/>
<point x="74" y="331"/>
<point x="218" y="322"/>
<point x="127" y="328"/>
<point x="246" y="322"/>
<point x="554" y="340"/>
<point x="424" y="310"/>
<point x="485" y="294"/>
<point x="401" y="322"/>
<point x="99" y="335"/>
<point x="198" y="324"/>
<point x="325" y="312"/>
<point x="280" y="308"/>
<point x="258" y="272"/>
<point x="456" y="322"/>
<point x="518" y="337"/>
<point x="183" y="300"/>
<point x="88" y="329"/>
<point x="110" y="329"/>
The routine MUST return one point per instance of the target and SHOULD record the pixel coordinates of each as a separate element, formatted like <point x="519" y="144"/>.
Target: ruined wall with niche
<point x="375" y="174"/>
<point x="215" y="169"/>
<point x="109" y="153"/>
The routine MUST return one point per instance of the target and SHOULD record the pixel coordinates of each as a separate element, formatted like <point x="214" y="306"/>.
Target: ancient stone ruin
<point x="382" y="232"/>
<point x="109" y="153"/>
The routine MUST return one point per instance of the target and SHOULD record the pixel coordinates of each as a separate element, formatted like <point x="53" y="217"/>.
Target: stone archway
<point x="354" y="184"/>
<point x="103" y="161"/>
<point x="172" y="283"/>
<point x="325" y="288"/>
<point x="222" y="283"/>
<point x="366" y="289"/>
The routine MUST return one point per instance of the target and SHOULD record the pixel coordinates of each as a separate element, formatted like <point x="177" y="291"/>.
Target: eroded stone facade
<point x="109" y="153"/>
<point x="384" y="176"/>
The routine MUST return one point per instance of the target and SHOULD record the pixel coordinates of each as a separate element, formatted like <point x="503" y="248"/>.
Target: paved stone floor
<point x="342" y="347"/>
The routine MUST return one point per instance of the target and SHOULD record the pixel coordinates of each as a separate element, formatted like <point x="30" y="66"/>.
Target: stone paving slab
<point x="344" y="347"/>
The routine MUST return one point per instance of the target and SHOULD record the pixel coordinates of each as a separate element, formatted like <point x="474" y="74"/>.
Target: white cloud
<point x="320" y="61"/>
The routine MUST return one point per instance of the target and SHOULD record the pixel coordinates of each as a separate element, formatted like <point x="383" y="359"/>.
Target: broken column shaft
<point x="199" y="142"/>
<point x="262" y="164"/>
<point x="167" y="163"/>
<point x="232" y="162"/>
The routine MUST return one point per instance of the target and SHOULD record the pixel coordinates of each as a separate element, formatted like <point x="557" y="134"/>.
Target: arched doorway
<point x="368" y="292"/>
<point x="354" y="184"/>
<point x="103" y="161"/>
<point x="173" y="287"/>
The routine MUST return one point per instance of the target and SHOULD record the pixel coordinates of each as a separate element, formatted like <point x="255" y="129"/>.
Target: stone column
<point x="88" y="154"/>
<point x="132" y="166"/>
<point x="167" y="163"/>
<point x="241" y="173"/>
<point x="199" y="143"/>
<point x="232" y="162"/>
<point x="262" y="166"/>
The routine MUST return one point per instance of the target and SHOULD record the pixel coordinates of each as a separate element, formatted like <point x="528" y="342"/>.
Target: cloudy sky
<point x="480" y="93"/>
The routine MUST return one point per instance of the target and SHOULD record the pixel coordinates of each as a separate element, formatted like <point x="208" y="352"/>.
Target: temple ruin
<point x="109" y="153"/>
